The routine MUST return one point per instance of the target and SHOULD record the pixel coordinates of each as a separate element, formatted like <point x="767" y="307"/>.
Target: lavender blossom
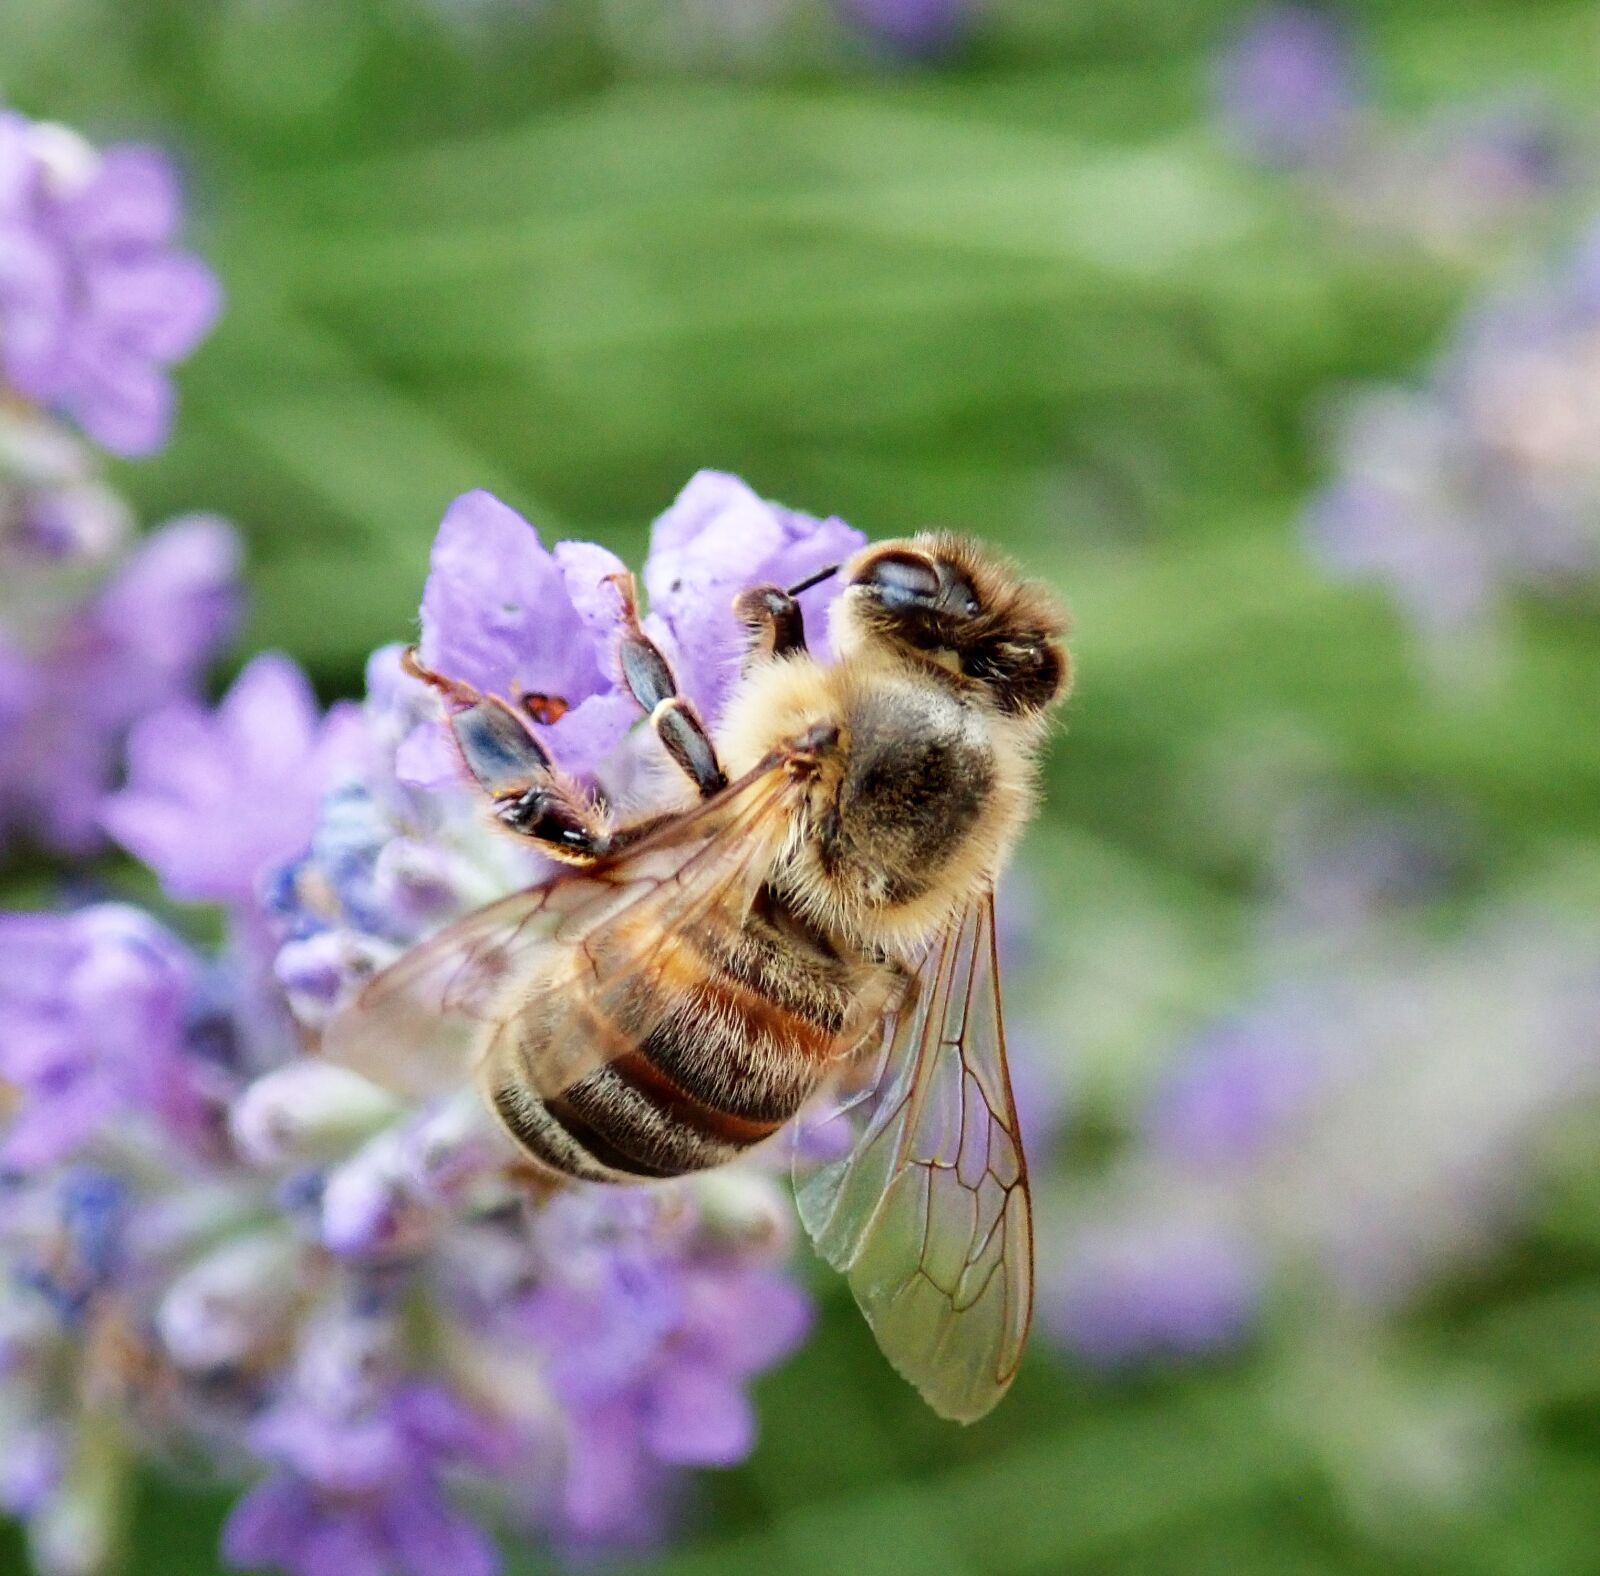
<point x="93" y="1018"/>
<point x="1288" y="86"/>
<point x="1150" y="1287"/>
<point x="1485" y="481"/>
<point x="96" y="301"/>
<point x="213" y="799"/>
<point x="78" y="671"/>
<point x="515" y="620"/>
<point x="1290" y="91"/>
<point x="360" y="1310"/>
<point x="1361" y="1133"/>
<point x="1456" y="181"/>
<point x="717" y="537"/>
<point x="915" y="29"/>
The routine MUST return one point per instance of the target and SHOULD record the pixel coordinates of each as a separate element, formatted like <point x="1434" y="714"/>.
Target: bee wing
<point x="620" y="977"/>
<point x="422" y="1026"/>
<point x="928" y="1214"/>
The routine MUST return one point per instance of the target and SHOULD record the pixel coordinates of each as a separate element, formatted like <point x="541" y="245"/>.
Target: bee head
<point x="959" y="608"/>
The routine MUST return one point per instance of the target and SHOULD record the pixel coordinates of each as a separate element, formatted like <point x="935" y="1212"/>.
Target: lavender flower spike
<point x="1486" y="480"/>
<point x="1287" y="86"/>
<point x="916" y="29"/>
<point x="361" y="1308"/>
<point x="74" y="679"/>
<point x="516" y="620"/>
<point x="1358" y="1135"/>
<point x="96" y="301"/>
<point x="213" y="800"/>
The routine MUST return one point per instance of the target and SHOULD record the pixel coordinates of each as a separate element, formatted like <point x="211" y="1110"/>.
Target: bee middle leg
<point x="530" y="795"/>
<point x="650" y="681"/>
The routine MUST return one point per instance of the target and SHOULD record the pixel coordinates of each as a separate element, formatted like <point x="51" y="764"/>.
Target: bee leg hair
<point x="649" y="679"/>
<point x="773" y="621"/>
<point x="530" y="796"/>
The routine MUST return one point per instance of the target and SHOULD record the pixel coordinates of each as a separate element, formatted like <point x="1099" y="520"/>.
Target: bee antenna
<point x="813" y="580"/>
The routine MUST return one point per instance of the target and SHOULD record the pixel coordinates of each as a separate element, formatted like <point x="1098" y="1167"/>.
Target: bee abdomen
<point x="723" y="1071"/>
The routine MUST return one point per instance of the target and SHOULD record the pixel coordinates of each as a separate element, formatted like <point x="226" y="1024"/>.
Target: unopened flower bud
<point x="231" y="1304"/>
<point x="306" y="1113"/>
<point x="744" y="1209"/>
<point x="367" y="1206"/>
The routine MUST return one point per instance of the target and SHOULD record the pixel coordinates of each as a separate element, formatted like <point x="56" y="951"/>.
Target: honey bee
<point x="818" y="920"/>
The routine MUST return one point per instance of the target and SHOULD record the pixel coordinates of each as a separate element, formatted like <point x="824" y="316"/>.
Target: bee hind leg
<point x="530" y="796"/>
<point x="650" y="681"/>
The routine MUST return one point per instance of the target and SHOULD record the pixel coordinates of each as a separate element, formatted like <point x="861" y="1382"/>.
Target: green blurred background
<point x="573" y="254"/>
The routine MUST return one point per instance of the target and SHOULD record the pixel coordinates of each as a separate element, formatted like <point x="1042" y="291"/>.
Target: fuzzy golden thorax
<point x="948" y="664"/>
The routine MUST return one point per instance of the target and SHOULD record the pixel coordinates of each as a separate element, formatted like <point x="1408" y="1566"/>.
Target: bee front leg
<point x="650" y="681"/>
<point x="530" y="796"/>
<point x="773" y="622"/>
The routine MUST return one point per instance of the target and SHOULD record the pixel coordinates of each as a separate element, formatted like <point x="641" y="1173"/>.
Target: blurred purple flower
<point x="215" y="798"/>
<point x="67" y="701"/>
<point x="1486" y="480"/>
<point x="96" y="301"/>
<point x="1158" y="1287"/>
<point x="672" y="1343"/>
<point x="1238" y="1086"/>
<point x="717" y="538"/>
<point x="1290" y="91"/>
<point x="914" y="28"/>
<point x="94" y="1011"/>
<point x="1375" y="1124"/>
<point x="1288" y="86"/>
<point x="361" y="1457"/>
<point x="407" y="1526"/>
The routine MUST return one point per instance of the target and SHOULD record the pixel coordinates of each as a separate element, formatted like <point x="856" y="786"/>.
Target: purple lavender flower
<point x="70" y="690"/>
<point x="515" y="620"/>
<point x="1376" y="1124"/>
<point x="1456" y="181"/>
<point x="1290" y="92"/>
<point x="717" y="538"/>
<point x="1288" y="87"/>
<point x="94" y="1012"/>
<point x="1152" y="1286"/>
<point x="257" y="1230"/>
<point x="214" y="799"/>
<point x="916" y="29"/>
<point x="361" y="1453"/>
<point x="96" y="301"/>
<point x="1486" y="480"/>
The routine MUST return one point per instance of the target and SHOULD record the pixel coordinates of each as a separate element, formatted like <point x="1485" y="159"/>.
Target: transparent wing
<point x="928" y="1212"/>
<point x="418" y="1027"/>
<point x="422" y="1026"/>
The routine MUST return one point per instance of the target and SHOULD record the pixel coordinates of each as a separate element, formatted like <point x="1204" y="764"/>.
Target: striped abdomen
<point x="740" y="1029"/>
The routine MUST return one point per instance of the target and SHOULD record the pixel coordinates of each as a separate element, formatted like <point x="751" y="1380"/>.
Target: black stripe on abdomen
<point x="637" y="1117"/>
<point x="723" y="1070"/>
<point x="642" y="1116"/>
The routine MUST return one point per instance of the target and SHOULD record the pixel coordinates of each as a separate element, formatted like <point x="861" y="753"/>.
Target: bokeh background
<point x="1266" y="344"/>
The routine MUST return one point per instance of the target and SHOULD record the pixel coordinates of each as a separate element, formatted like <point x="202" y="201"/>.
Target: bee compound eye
<point x="902" y="579"/>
